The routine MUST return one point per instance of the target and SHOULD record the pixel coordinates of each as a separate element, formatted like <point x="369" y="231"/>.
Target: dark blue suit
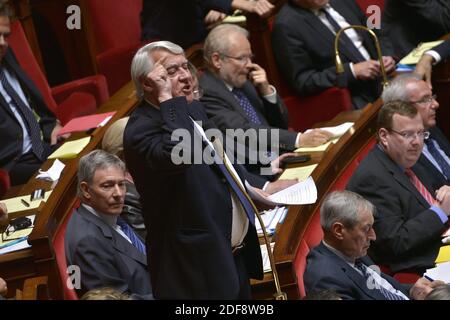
<point x="10" y="129"/>
<point x="106" y="258"/>
<point x="443" y="49"/>
<point x="187" y="208"/>
<point x="325" y="270"/>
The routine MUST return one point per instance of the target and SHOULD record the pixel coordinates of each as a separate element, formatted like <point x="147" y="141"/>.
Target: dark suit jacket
<point x="178" y="21"/>
<point x="325" y="270"/>
<point x="425" y="170"/>
<point x="187" y="208"/>
<point x="105" y="258"/>
<point x="10" y="129"/>
<point x="443" y="49"/>
<point x="409" y="22"/>
<point x="224" y="109"/>
<point x="408" y="232"/>
<point x="304" y="51"/>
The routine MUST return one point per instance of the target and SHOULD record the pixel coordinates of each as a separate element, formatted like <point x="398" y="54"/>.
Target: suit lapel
<point x="437" y="135"/>
<point x="399" y="176"/>
<point x="352" y="274"/>
<point x="118" y="242"/>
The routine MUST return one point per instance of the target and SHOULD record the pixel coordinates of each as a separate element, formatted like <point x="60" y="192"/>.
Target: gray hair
<point x="143" y="63"/>
<point x="93" y="161"/>
<point x="218" y="40"/>
<point x="396" y="90"/>
<point x="441" y="292"/>
<point x="6" y="10"/>
<point x="343" y="206"/>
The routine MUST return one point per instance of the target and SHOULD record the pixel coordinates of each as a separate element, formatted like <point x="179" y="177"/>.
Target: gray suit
<point x="106" y="259"/>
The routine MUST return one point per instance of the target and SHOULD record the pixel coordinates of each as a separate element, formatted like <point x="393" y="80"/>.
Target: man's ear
<point x="382" y="136"/>
<point x="216" y="60"/>
<point x="85" y="190"/>
<point x="338" y="230"/>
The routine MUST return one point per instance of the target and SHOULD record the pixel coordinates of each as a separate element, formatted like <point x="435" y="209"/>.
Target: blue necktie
<point x="344" y="39"/>
<point x="135" y="240"/>
<point x="439" y="158"/>
<point x="32" y="125"/>
<point x="369" y="277"/>
<point x="246" y="105"/>
<point x="242" y="195"/>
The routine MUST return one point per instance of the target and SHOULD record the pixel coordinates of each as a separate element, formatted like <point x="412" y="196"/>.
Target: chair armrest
<point x="94" y="85"/>
<point x="34" y="289"/>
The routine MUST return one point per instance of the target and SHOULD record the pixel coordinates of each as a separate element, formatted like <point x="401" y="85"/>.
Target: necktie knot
<point x="135" y="240"/>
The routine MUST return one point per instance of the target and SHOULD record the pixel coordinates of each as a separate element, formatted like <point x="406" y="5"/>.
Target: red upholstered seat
<point x="4" y="182"/>
<point x="59" y="99"/>
<point x="117" y="35"/>
<point x="313" y="233"/>
<point x="363" y="4"/>
<point x="58" y="246"/>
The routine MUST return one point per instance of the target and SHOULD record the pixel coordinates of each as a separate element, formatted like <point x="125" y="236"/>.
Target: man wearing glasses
<point x="237" y="94"/>
<point x="411" y="214"/>
<point x="434" y="163"/>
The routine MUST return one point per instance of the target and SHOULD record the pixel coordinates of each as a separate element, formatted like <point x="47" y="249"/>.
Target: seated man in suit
<point x="430" y="58"/>
<point x="22" y="151"/>
<point x="340" y="262"/>
<point x="97" y="240"/>
<point x="203" y="245"/>
<point x="303" y="43"/>
<point x="434" y="163"/>
<point x="411" y="214"/>
<point x="410" y="22"/>
<point x="237" y="95"/>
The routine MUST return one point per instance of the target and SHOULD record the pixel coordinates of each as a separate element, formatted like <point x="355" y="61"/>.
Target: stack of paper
<point x="440" y="272"/>
<point x="265" y="257"/>
<point x="271" y="218"/>
<point x="414" y="56"/>
<point x="53" y="173"/>
<point x="70" y="149"/>
<point x="304" y="192"/>
<point x="23" y="203"/>
<point x="444" y="254"/>
<point x="86" y="122"/>
<point x="19" y="239"/>
<point x="299" y="173"/>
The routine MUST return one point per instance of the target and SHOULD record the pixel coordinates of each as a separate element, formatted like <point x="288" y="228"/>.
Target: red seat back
<point x="117" y="34"/>
<point x="58" y="246"/>
<point x="364" y="4"/>
<point x="19" y="43"/>
<point x="313" y="233"/>
<point x="5" y="183"/>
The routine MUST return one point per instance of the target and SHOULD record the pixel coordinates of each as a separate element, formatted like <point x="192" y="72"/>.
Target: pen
<point x="26" y="204"/>
<point x="428" y="278"/>
<point x="13" y="242"/>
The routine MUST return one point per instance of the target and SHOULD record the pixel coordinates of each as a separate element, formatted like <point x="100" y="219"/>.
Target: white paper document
<point x="271" y="218"/>
<point x="339" y="130"/>
<point x="53" y="173"/>
<point x="440" y="272"/>
<point x="265" y="257"/>
<point x="304" y="192"/>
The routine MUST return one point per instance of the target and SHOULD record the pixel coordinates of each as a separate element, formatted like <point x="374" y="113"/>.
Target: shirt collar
<point x="109" y="219"/>
<point x="339" y="254"/>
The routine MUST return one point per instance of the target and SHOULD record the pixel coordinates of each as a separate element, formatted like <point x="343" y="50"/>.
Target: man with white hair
<point x="202" y="242"/>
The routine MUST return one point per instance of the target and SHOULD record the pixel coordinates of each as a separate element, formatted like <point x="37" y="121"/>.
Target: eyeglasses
<point x="426" y="100"/>
<point x="408" y="135"/>
<point x="241" y="59"/>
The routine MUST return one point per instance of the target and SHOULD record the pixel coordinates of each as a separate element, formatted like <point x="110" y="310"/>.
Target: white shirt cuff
<point x="265" y="186"/>
<point x="353" y="71"/>
<point x="272" y="98"/>
<point x="436" y="56"/>
<point x="297" y="140"/>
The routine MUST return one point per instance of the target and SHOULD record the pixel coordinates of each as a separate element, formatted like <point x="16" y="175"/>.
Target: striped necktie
<point x="135" y="240"/>
<point x="30" y="120"/>
<point x="369" y="277"/>
<point x="419" y="186"/>
<point x="445" y="167"/>
<point x="246" y="105"/>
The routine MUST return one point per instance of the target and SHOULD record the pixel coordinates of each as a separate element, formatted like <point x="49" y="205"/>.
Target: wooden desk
<point x="331" y="165"/>
<point x="39" y="260"/>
